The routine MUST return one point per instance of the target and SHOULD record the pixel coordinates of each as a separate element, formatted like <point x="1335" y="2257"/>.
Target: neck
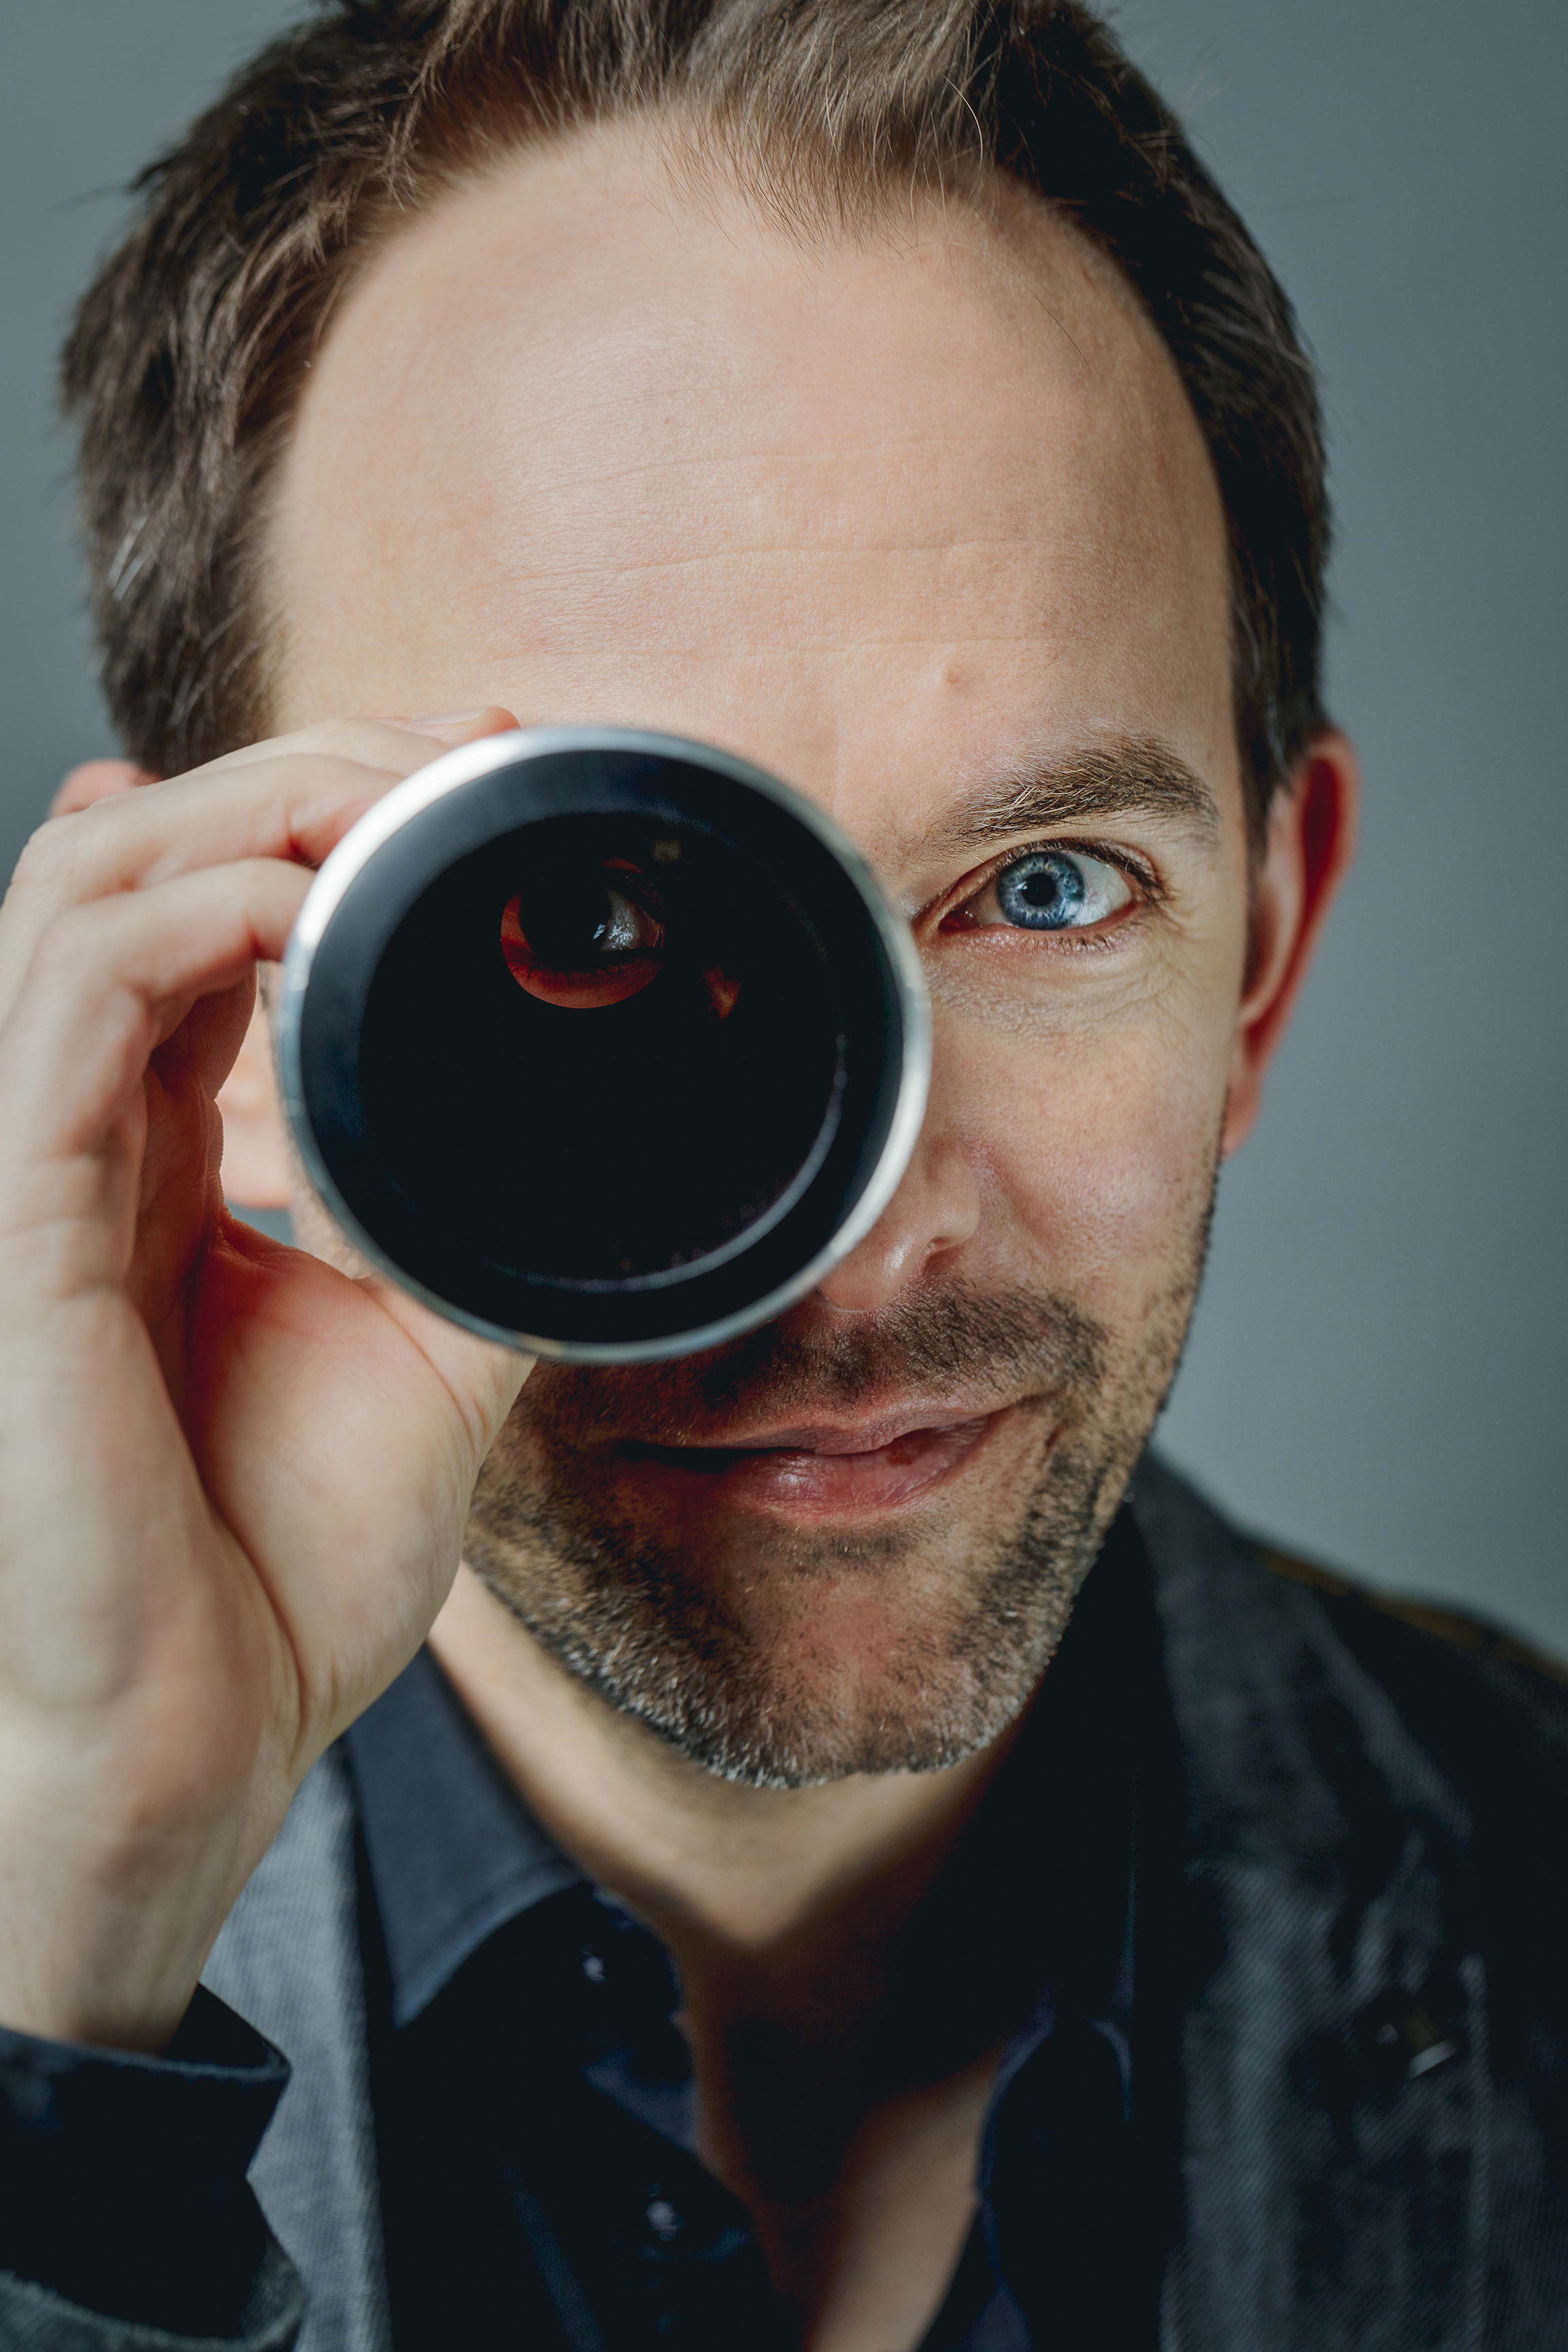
<point x="797" y="1922"/>
<point x="734" y="1878"/>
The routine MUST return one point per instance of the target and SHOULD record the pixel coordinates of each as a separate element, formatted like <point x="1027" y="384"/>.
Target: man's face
<point x="920" y="521"/>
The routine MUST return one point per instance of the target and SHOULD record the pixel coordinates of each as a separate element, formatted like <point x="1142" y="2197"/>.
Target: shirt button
<point x="663" y="2220"/>
<point x="594" y="1966"/>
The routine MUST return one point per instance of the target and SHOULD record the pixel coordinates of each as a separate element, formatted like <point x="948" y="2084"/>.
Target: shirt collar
<point x="453" y="1853"/>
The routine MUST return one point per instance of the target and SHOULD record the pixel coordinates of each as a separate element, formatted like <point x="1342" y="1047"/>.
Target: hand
<point x="233" y="1480"/>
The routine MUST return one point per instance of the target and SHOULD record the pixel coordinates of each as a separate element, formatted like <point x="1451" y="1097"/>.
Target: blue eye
<point x="1042" y="893"/>
<point x="1049" y="890"/>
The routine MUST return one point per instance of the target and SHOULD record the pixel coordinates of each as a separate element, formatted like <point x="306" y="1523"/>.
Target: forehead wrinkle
<point x="889" y="450"/>
<point x="615" y="565"/>
<point x="1140" y="777"/>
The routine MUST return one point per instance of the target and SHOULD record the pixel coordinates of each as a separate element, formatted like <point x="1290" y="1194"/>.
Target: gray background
<point x="1377" y="1371"/>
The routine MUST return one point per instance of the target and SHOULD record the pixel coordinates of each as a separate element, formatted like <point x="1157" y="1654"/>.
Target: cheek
<point x="1098" y="1152"/>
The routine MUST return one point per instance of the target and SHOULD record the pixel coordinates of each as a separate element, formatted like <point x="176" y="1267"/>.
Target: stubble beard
<point x="755" y="1693"/>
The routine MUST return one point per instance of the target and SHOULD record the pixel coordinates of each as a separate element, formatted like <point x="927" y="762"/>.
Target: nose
<point x="934" y="1212"/>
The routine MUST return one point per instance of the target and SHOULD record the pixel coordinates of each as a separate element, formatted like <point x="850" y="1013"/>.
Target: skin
<point x="916" y="519"/>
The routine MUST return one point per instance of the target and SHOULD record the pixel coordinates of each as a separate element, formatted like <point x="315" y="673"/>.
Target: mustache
<point x="992" y="1347"/>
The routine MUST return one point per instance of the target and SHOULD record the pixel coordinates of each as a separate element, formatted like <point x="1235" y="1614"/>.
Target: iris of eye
<point x="1042" y="892"/>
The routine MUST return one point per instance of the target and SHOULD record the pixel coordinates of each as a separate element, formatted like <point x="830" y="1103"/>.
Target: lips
<point x="822" y="1471"/>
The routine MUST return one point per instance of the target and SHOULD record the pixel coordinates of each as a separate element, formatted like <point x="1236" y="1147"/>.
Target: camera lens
<point x="601" y="1042"/>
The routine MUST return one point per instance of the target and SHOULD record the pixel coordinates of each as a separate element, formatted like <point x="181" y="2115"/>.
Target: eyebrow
<point x="1132" y="778"/>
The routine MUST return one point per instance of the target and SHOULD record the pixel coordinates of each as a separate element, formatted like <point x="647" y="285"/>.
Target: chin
<point x="788" y="1712"/>
<point x="786" y="1656"/>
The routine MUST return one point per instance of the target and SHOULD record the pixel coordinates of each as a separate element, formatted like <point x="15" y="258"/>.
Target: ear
<point x="1310" y="845"/>
<point x="256" y="1173"/>
<point x="96" y="780"/>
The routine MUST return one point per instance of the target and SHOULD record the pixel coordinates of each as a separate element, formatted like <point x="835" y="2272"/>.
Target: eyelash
<point x="1147" y="883"/>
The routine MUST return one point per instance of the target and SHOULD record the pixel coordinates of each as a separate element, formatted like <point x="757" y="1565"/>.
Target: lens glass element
<point x="602" y="1049"/>
<point x="582" y="936"/>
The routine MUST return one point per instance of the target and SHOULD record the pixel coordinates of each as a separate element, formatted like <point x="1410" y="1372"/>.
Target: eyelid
<point x="1151" y="889"/>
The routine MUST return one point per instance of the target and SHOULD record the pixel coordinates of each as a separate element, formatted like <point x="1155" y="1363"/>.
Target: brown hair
<point x="187" y="354"/>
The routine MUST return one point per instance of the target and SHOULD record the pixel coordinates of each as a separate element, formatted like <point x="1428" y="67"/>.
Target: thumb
<point x="482" y="1377"/>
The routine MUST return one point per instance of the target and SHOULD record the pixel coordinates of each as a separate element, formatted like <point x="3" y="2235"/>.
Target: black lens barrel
<point x="603" y="1043"/>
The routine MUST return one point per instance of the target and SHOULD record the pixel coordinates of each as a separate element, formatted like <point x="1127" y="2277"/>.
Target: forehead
<point x="929" y="498"/>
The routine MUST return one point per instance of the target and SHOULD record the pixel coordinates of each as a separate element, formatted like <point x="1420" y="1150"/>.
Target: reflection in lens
<point x="627" y="1146"/>
<point x="582" y="937"/>
<point x="723" y="989"/>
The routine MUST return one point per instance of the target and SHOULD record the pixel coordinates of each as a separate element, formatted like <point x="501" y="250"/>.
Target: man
<point x="837" y="1865"/>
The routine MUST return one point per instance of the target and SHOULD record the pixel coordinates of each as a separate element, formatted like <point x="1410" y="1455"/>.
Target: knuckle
<point x="48" y="854"/>
<point x="72" y="855"/>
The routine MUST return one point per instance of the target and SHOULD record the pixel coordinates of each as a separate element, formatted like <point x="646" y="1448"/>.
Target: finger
<point x="297" y="809"/>
<point x="294" y="798"/>
<point x="205" y="1038"/>
<point x="286" y="807"/>
<point x="97" y="780"/>
<point x="105" y="982"/>
<point x="392" y="748"/>
<point x="403" y="743"/>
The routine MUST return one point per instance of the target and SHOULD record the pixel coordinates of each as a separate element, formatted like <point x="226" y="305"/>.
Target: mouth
<point x="822" y="1472"/>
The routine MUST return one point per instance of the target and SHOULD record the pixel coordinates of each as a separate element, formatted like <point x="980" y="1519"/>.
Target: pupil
<point x="1041" y="892"/>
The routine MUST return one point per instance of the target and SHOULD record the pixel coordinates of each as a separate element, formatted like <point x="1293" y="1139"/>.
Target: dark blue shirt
<point x="533" y="2091"/>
